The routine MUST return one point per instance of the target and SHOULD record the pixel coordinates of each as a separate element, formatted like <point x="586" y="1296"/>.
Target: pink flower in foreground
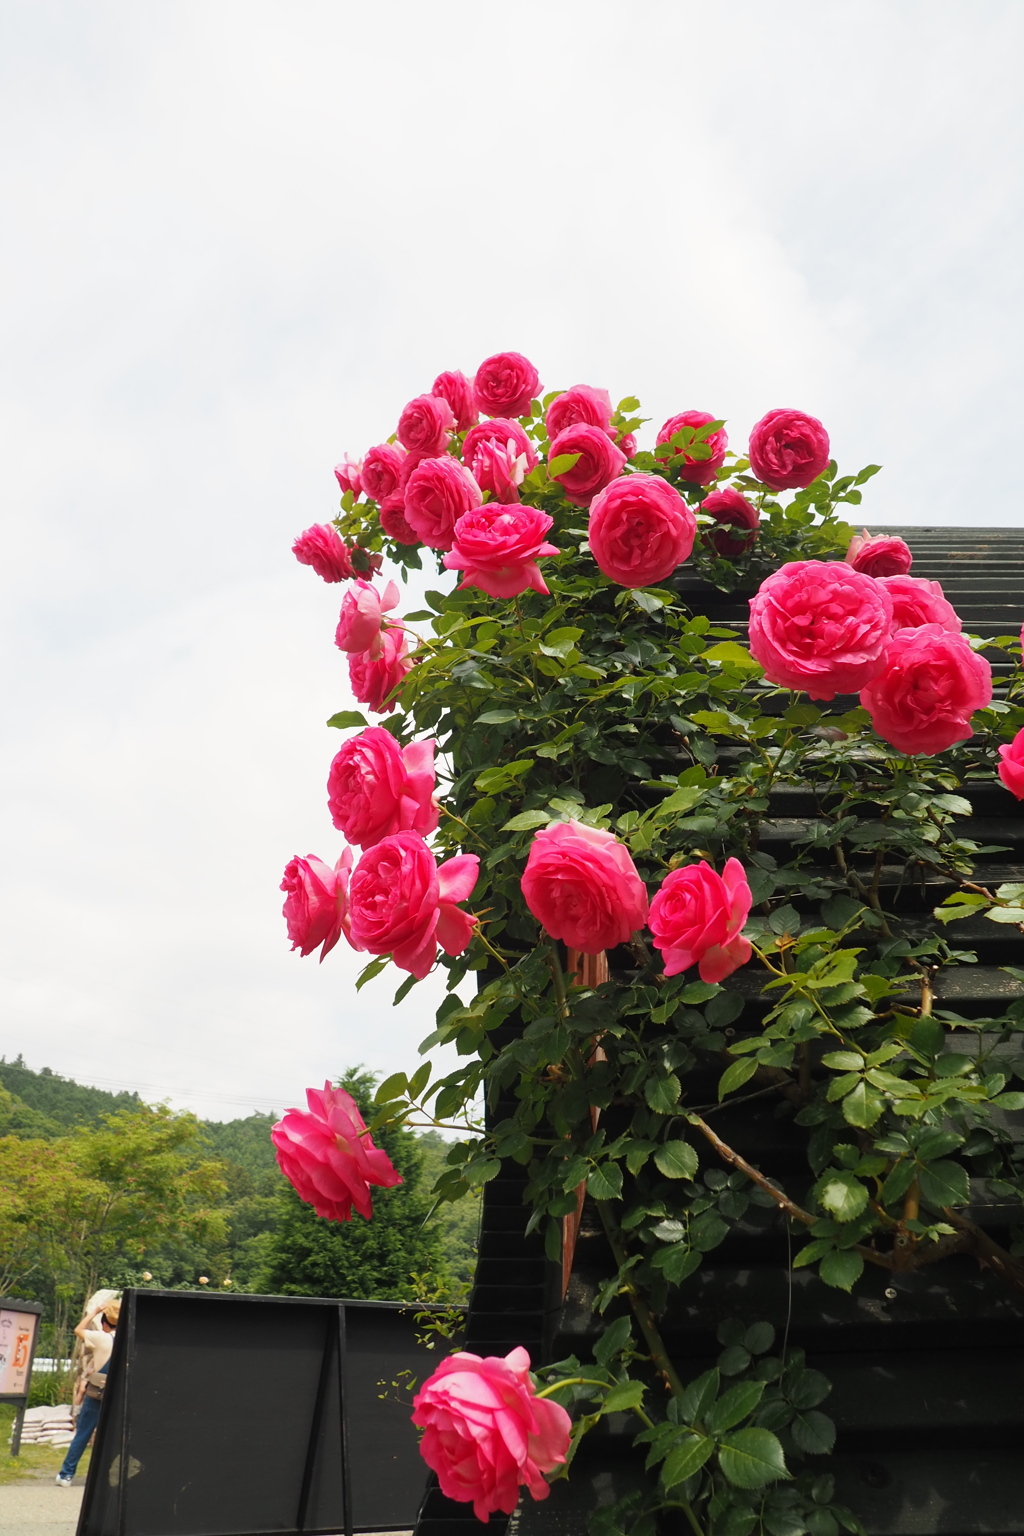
<point x="438" y="492"/>
<point x="329" y="1158"/>
<point x="1011" y="769"/>
<point x="505" y="384"/>
<point x="323" y="548"/>
<point x="737" y="520"/>
<point x="498" y="548"/>
<point x="581" y="885"/>
<point x="877" y="555"/>
<point x="598" y="462"/>
<point x="931" y="684"/>
<point x="403" y="904"/>
<point x="697" y="918"/>
<point x="316" y="902"/>
<point x="916" y="601"/>
<point x="381" y="471"/>
<point x="454" y="387"/>
<point x="375" y="787"/>
<point x="362" y="615"/>
<point x="501" y="431"/>
<point x="424" y="426"/>
<point x="580" y="406"/>
<point x="500" y="469"/>
<point x="373" y="676"/>
<point x="820" y="626"/>
<point x="486" y="1432"/>
<point x="640" y="529"/>
<point x="787" y="450"/>
<point x="695" y="471"/>
<point x="393" y="519"/>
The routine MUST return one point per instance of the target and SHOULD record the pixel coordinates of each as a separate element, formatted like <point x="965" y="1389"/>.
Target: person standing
<point x="99" y="1341"/>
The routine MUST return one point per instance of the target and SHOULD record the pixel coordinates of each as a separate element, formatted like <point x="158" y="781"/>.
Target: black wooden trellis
<point x="928" y="1367"/>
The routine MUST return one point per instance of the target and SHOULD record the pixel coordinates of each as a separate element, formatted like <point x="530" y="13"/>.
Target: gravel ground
<point x="40" y="1509"/>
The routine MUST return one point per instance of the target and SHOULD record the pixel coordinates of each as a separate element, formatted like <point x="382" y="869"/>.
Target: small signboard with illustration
<point x="19" y="1324"/>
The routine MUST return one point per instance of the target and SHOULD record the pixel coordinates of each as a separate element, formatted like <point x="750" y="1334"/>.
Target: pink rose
<point x="362" y="616"/>
<point x="375" y="787"/>
<point x="580" y="406"/>
<point x="391" y="516"/>
<point x="916" y="601"/>
<point x="403" y="904"/>
<point x="878" y="555"/>
<point x="498" y="468"/>
<point x="582" y="886"/>
<point x="505" y="384"/>
<point x="503" y="432"/>
<point x="423" y="427"/>
<point x="316" y="902"/>
<point x="930" y="687"/>
<point x="820" y="626"/>
<point x="640" y="530"/>
<point x="737" y="520"/>
<point x="372" y="677"/>
<point x="1011" y="769"/>
<point x="382" y="470"/>
<point x="627" y="442"/>
<point x="458" y="391"/>
<point x="695" y="471"/>
<point x="328" y="1157"/>
<point x="788" y="450"/>
<point x="438" y="493"/>
<point x="323" y="548"/>
<point x="599" y="462"/>
<point x="486" y="1432"/>
<point x="697" y="917"/>
<point x="498" y="548"/>
<point x="349" y="475"/>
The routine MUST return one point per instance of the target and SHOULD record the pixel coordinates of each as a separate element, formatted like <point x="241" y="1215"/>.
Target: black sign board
<point x="19" y="1329"/>
<point x="250" y="1415"/>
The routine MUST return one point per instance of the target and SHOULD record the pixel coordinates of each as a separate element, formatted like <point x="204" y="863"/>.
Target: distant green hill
<point x="61" y="1102"/>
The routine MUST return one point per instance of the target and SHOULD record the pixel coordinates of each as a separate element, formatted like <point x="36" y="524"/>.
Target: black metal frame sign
<point x="257" y="1416"/>
<point x="19" y="1333"/>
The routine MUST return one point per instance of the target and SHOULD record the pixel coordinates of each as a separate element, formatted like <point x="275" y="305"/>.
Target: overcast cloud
<point x="240" y="236"/>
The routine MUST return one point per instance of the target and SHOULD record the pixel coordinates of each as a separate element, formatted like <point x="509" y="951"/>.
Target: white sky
<point x="240" y="236"/>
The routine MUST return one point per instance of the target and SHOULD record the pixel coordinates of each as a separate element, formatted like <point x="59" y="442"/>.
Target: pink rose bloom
<point x="697" y="918"/>
<point x="505" y="384"/>
<point x="878" y="555"/>
<point x="640" y="529"/>
<point x="501" y="431"/>
<point x="323" y="548"/>
<point x="582" y="886"/>
<point x="373" y="676"/>
<point x="362" y="616"/>
<point x="498" y="468"/>
<point x="403" y="904"/>
<point x="1011" y="769"/>
<point x="498" y="548"/>
<point x="599" y="463"/>
<point x="423" y="427"/>
<point x="627" y="442"/>
<point x="819" y="626"/>
<point x="375" y="787"/>
<point x="486" y="1432"/>
<point x="391" y="516"/>
<point x="349" y="475"/>
<point x="382" y="470"/>
<point x="787" y="450"/>
<point x="458" y="391"/>
<point x="580" y="406"/>
<point x="316" y="902"/>
<point x="695" y="471"/>
<point x="328" y="1157"/>
<point x="916" y="601"/>
<point x="930" y="687"/>
<point x="737" y="520"/>
<point x="438" y="493"/>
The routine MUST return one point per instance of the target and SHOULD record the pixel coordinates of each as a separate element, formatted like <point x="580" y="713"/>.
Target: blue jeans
<point x="88" y="1415"/>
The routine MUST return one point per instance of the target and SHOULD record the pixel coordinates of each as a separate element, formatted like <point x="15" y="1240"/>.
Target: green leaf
<point x="662" y="1093"/>
<point x="751" y="1458"/>
<point x="676" y="1262"/>
<point x="391" y="1087"/>
<point x="759" y="1338"/>
<point x="497" y="717"/>
<point x="843" y="1195"/>
<point x="676" y="1160"/>
<point x="561" y="463"/>
<point x="733" y="1360"/>
<point x="841" y="1268"/>
<point x="526" y="821"/>
<point x="699" y="1396"/>
<point x="736" y="1404"/>
<point x="346" y="718"/>
<point x="627" y="1394"/>
<point x="614" y="1339"/>
<point x="494" y="780"/>
<point x="843" y="1061"/>
<point x="813" y="1433"/>
<point x="807" y="1389"/>
<point x="735" y="1076"/>
<point x="944" y="1183"/>
<point x="680" y="801"/>
<point x="686" y="1459"/>
<point x="1006" y="915"/>
<point x="863" y="1106"/>
<point x="738" y="655"/>
<point x="605" y="1181"/>
<point x="368" y="972"/>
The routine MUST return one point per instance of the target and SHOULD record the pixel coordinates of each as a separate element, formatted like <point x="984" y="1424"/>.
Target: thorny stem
<point x="588" y="1381"/>
<point x="452" y="817"/>
<point x="557" y="978"/>
<point x="641" y="1311"/>
<point x="485" y="941"/>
